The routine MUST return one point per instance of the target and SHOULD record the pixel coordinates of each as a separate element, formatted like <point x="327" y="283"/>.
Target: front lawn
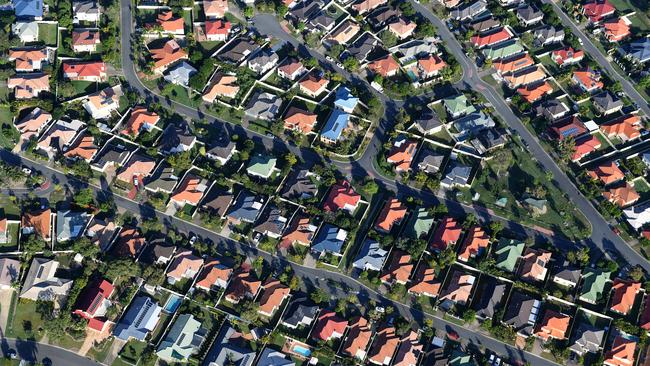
<point x="47" y="33"/>
<point x="12" y="235"/>
<point x="25" y="322"/>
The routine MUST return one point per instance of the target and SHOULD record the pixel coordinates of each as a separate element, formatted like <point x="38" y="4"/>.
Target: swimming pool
<point x="302" y="350"/>
<point x="173" y="303"/>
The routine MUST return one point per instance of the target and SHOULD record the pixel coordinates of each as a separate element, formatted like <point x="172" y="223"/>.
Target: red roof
<point x="616" y="29"/>
<point x="568" y="127"/>
<point x="217" y="27"/>
<point x="327" y="325"/>
<point x="567" y="55"/>
<point x="597" y="10"/>
<point x="84" y="69"/>
<point x="585" y="147"/>
<point x="532" y="93"/>
<point x="341" y="195"/>
<point x="447" y="233"/>
<point x="92" y="297"/>
<point x="481" y="41"/>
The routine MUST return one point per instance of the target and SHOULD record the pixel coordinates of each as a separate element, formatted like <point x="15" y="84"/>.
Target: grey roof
<point x="85" y="6"/>
<point x="163" y="251"/>
<point x="457" y="174"/>
<point x="638" y="50"/>
<point x="217" y="201"/>
<point x="304" y="10"/>
<point x="41" y="281"/>
<point x="588" y="338"/>
<point x="238" y="50"/>
<point x="488" y="139"/>
<point x="173" y="136"/>
<point x="70" y="224"/>
<point x="491" y="296"/>
<point x="274" y="222"/>
<point x="607" y="101"/>
<point x="322" y="21"/>
<point x="381" y="16"/>
<point x="229" y="349"/>
<point x="330" y="239"/>
<point x="529" y="13"/>
<point x="427" y="122"/>
<point x="221" y="147"/>
<point x="418" y="47"/>
<point x="298" y="309"/>
<point x="485" y="24"/>
<point x="271" y="357"/>
<point x="555" y="107"/>
<point x="115" y="151"/>
<point x="139" y="320"/>
<point x="371" y="256"/>
<point x="300" y="186"/>
<point x="163" y="178"/>
<point x="265" y="58"/>
<point x="362" y="46"/>
<point x="436" y="357"/>
<point x="522" y="311"/>
<point x="569" y="274"/>
<point x="469" y="11"/>
<point x="549" y="32"/>
<point x="263" y="105"/>
<point x="472" y="124"/>
<point x="246" y="207"/>
<point x="181" y="73"/>
<point x="430" y="161"/>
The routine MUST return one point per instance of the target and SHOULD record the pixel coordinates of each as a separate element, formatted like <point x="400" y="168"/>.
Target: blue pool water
<point x="173" y="303"/>
<point x="302" y="350"/>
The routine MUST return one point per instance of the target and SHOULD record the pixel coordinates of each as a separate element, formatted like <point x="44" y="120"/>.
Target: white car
<point x="192" y="240"/>
<point x="329" y="58"/>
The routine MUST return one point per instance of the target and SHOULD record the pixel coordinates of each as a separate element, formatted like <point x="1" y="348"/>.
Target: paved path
<point x="5" y="303"/>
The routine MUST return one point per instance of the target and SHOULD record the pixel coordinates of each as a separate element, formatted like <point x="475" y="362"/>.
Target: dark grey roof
<point x="488" y="140"/>
<point x="588" y="338"/>
<point x="427" y="121"/>
<point x="607" y="100"/>
<point x="469" y="11"/>
<point x="263" y="105"/>
<point x="263" y="58"/>
<point x="363" y="46"/>
<point x="569" y="273"/>
<point x="298" y="309"/>
<point x="522" y="311"/>
<point x="85" y="6"/>
<point x="548" y="32"/>
<point x="115" y="152"/>
<point x="238" y="50"/>
<point x="436" y="357"/>
<point x="304" y="10"/>
<point x="529" y="13"/>
<point x="229" y="350"/>
<point x="163" y="178"/>
<point x="322" y="21"/>
<point x="554" y="107"/>
<point x="164" y="251"/>
<point x="221" y="148"/>
<point x="175" y="135"/>
<point x="217" y="201"/>
<point x="300" y="186"/>
<point x="430" y="161"/>
<point x="491" y="295"/>
<point x="485" y="24"/>
<point x="381" y="16"/>
<point x="273" y="221"/>
<point x="247" y="207"/>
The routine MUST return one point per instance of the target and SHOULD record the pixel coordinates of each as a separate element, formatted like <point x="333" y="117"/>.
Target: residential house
<point x="28" y="59"/>
<point x="457" y="106"/>
<point x="567" y="276"/>
<point x="330" y="240"/>
<point x="163" y="179"/>
<point x="336" y="123"/>
<point x="263" y="61"/>
<point x="428" y="122"/>
<point x="28" y="9"/>
<point x="425" y="282"/>
<point x="457" y="175"/>
<point x="328" y="326"/>
<point x="9" y="272"/>
<point x="525" y="77"/>
<point x="446" y="235"/>
<point x="297" y="119"/>
<point x="416" y="48"/>
<point x="215" y="9"/>
<point x="33" y="123"/>
<point x="471" y="125"/>
<point x="190" y="190"/>
<point x="129" y="242"/>
<point x="626" y="128"/>
<point x="85" y="11"/>
<point x="180" y="73"/>
<point x="593" y="285"/>
<point x="342" y="197"/>
<point x="383" y="347"/>
<point x="402" y="28"/>
<point x="243" y="285"/>
<point x="300" y="313"/>
<point x="588" y="338"/>
<point x="301" y="185"/>
<point x="70" y="224"/>
<point x="291" y="69"/>
<point x="237" y="51"/>
<point x="624" y="296"/>
<point x="554" y="109"/>
<point x="358" y="338"/>
<point x="37" y="222"/>
<point x="182" y="340"/>
<point x="637" y="51"/>
<point x="185" y="266"/>
<point x="140" y="319"/>
<point x="272" y="223"/>
<point x="84" y="71"/>
<point x="548" y="35"/>
<point x="430" y="162"/>
<point x="214" y="275"/>
<point x="168" y="24"/>
<point x="507" y="253"/>
<point x="588" y="80"/>
<point x="402" y="153"/>
<point x="221" y="150"/>
<point x="41" y="282"/>
<point x="371" y="257"/>
<point x="503" y="50"/>
<point x="28" y="86"/>
<point x="585" y="146"/>
<point x="475" y="243"/>
<point x="491" y="38"/>
<point x="344" y="100"/>
<point x="101" y="232"/>
<point x="430" y="66"/>
<point x="622" y="196"/>
<point x="567" y="56"/>
<point x="409" y="350"/>
<point x="522" y="313"/>
<point x="246" y="207"/>
<point x="489" y="140"/>
<point x="621" y="352"/>
<point x="344" y="32"/>
<point x="300" y="232"/>
<point x="313" y="85"/>
<point x="597" y="10"/>
<point x="166" y="54"/>
<point x="26" y="32"/>
<point x="217" y="201"/>
<point x="229" y="347"/>
<point x="136" y="169"/>
<point x="385" y="66"/>
<point x="217" y="30"/>
<point x="363" y="46"/>
<point x="569" y="127"/>
<point x="391" y="214"/>
<point x="140" y="119"/>
<point x="264" y="106"/>
<point x="458" y="290"/>
<point x="638" y="215"/>
<point x="176" y="139"/>
<point x="606" y="103"/>
<point x="321" y="22"/>
<point x="161" y="252"/>
<point x="616" y="30"/>
<point x="221" y="85"/>
<point x="469" y="11"/>
<point x="103" y="103"/>
<point x="273" y="295"/>
<point x="420" y="224"/>
<point x="93" y="303"/>
<point x="554" y="325"/>
<point x="262" y="166"/>
<point x="534" y="92"/>
<point x="85" y="40"/>
<point x="365" y="6"/>
<point x="529" y="15"/>
<point x="271" y="357"/>
<point x="491" y="297"/>
<point x="398" y="269"/>
<point x="59" y="136"/>
<point x="534" y="265"/>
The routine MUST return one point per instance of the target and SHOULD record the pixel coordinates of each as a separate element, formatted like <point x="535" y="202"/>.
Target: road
<point x="601" y="59"/>
<point x="39" y="352"/>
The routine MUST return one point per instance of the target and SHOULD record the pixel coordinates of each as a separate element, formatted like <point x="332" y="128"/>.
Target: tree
<point x="580" y="257"/>
<point x="319" y="296"/>
<point x="84" y="197"/>
<point x="291" y="159"/>
<point x="181" y="161"/>
<point x="32" y="245"/>
<point x="249" y="12"/>
<point x="370" y="187"/>
<point x="567" y="148"/>
<point x="85" y="247"/>
<point x="496" y="227"/>
<point x="388" y="38"/>
<point x="637" y="274"/>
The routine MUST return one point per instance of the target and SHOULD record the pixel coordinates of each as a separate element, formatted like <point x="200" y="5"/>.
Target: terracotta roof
<point x="585" y="147"/>
<point x="409" y="350"/>
<point x="272" y="296"/>
<point x="475" y="241"/>
<point x="567" y="55"/>
<point x="84" y="147"/>
<point x="532" y="93"/>
<point x="385" y="66"/>
<point x="215" y="8"/>
<point x="622" y="196"/>
<point x="402" y="28"/>
<point x="40" y="221"/>
<point x="402" y="154"/>
<point x="606" y="173"/>
<point x="568" y="127"/>
<point x="85" y="37"/>
<point x="528" y="77"/>
<point x="431" y="64"/>
<point x="27" y="58"/>
<point x="424" y="282"/>
<point x="597" y="10"/>
<point x="299" y="232"/>
<point x="169" y="23"/>
<point x="213" y="271"/>
<point x="166" y="55"/>
<point x="460" y="287"/>
<point x="32" y="123"/>
<point x="588" y="79"/>
<point x="492" y="38"/>
<point x="129" y="242"/>
<point x="84" y="69"/>
<point x="243" y="283"/>
<point x="190" y="190"/>
<point x="627" y="127"/>
<point x="534" y="264"/>
<point x="299" y="119"/>
<point x="28" y="86"/>
<point x="621" y="352"/>
<point x="505" y="66"/>
<point x="399" y="269"/>
<point x="383" y="347"/>
<point x="217" y="27"/>
<point x="447" y="233"/>
<point x="625" y="293"/>
<point x="221" y="85"/>
<point x="364" y="6"/>
<point x="138" y="118"/>
<point x="616" y="30"/>
<point x="3" y="225"/>
<point x="137" y="166"/>
<point x="329" y="325"/>
<point x="393" y="212"/>
<point x="554" y="325"/>
<point x="290" y="66"/>
<point x="313" y="83"/>
<point x="340" y="195"/>
<point x="358" y="338"/>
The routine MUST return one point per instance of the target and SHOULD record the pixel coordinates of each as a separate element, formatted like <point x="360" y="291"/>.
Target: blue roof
<point x="336" y="123"/>
<point x="639" y="49"/>
<point x="28" y="8"/>
<point x="371" y="256"/>
<point x="345" y="99"/>
<point x="140" y="319"/>
<point x="247" y="207"/>
<point x="330" y="239"/>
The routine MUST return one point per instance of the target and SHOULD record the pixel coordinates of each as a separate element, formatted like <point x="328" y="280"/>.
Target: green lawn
<point x="25" y="322"/>
<point x="47" y="33"/>
<point x="12" y="244"/>
<point x="131" y="352"/>
<point x="99" y="353"/>
<point x="642" y="188"/>
<point x="9" y="208"/>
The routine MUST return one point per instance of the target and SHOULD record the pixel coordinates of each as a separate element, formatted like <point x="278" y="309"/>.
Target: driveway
<point x="5" y="303"/>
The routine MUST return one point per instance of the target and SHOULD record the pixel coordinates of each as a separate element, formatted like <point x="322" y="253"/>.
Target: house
<point x="381" y="16"/>
<point x="507" y="253"/>
<point x="637" y="51"/>
<point x="488" y="140"/>
<point x="365" y="6"/>
<point x="9" y="272"/>
<point x="85" y="40"/>
<point x="588" y="80"/>
<point x="161" y="251"/>
<point x="336" y="123"/>
<point x="402" y="153"/>
<point x="446" y="235"/>
<point x="624" y="296"/>
<point x="37" y="222"/>
<point x="26" y="32"/>
<point x="217" y="30"/>
<point x="534" y="92"/>
<point x="458" y="106"/>
<point x="138" y="167"/>
<point x="222" y="150"/>
<point x="215" y="8"/>
<point x="103" y="103"/>
<point x="28" y="9"/>
<point x="430" y="162"/>
<point x="430" y="66"/>
<point x="217" y="201"/>
<point x="246" y="207"/>
<point x="621" y="352"/>
<point x="328" y="326"/>
<point x="597" y="10"/>
<point x="622" y="196"/>
<point x="166" y="55"/>
<point x="417" y="48"/>
<point x="425" y="282"/>
<point x="638" y="215"/>
<point x="420" y="224"/>
<point x="263" y="105"/>
<point x="321" y="22"/>
<point x="644" y="320"/>
<point x="41" y="283"/>
<point x="616" y="30"/>
<point x="525" y="77"/>
<point x="93" y="302"/>
<point x="163" y="179"/>
<point x="214" y="275"/>
<point x="585" y="146"/>
<point x="190" y="190"/>
<point x="27" y="86"/>
<point x="70" y="224"/>
<point x="371" y="257"/>
<point x="344" y="32"/>
<point x="522" y="312"/>
<point x="428" y="122"/>
<point x="237" y="51"/>
<point x="140" y="119"/>
<point x="534" y="264"/>
<point x="263" y="61"/>
<point x="593" y="285"/>
<point x="167" y="23"/>
<point x="385" y="66"/>
<point x="301" y="185"/>
<point x="554" y="109"/>
<point x="180" y="73"/>
<point x="344" y="100"/>
<point x="363" y="46"/>
<point x="229" y="347"/>
<point x="185" y="266"/>
<point x="588" y="338"/>
<point x="301" y="232"/>
<point x="607" y="173"/>
<point x="243" y="285"/>
<point x="570" y="127"/>
<point x="457" y="175"/>
<point x="409" y="350"/>
<point x="140" y="319"/>
<point x="342" y="197"/>
<point x="606" y="103"/>
<point x="114" y="154"/>
<point x="503" y="50"/>
<point x="567" y="56"/>
<point x="300" y="313"/>
<point x="262" y="166"/>
<point x="182" y="340"/>
<point x="475" y="243"/>
<point x="59" y="136"/>
<point x="548" y="35"/>
<point x="469" y="11"/>
<point x="484" y="24"/>
<point x="28" y="59"/>
<point x="271" y="357"/>
<point x="273" y="295"/>
<point x="391" y="214"/>
<point x="402" y="28"/>
<point x="176" y="139"/>
<point x="529" y="15"/>
<point x="554" y="325"/>
<point x="313" y="85"/>
<point x="358" y="338"/>
<point x="129" y="242"/>
<point x="625" y="128"/>
<point x="471" y="125"/>
<point x="491" y="38"/>
<point x="272" y="224"/>
<point x="221" y="85"/>
<point x="330" y="240"/>
<point x="491" y="297"/>
<point x="383" y="347"/>
<point x="398" y="269"/>
<point x="459" y="289"/>
<point x="297" y="119"/>
<point x="33" y="123"/>
<point x="513" y="64"/>
<point x="85" y="11"/>
<point x="291" y="69"/>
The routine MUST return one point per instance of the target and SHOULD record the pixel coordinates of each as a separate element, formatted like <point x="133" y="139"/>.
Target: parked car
<point x="192" y="240"/>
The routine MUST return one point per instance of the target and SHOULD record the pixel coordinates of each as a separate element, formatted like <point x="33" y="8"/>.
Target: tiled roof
<point x="491" y="38"/>
<point x="138" y="118"/>
<point x="84" y="147"/>
<point x="447" y="233"/>
<point x="616" y="29"/>
<point x="167" y="54"/>
<point x="402" y="153"/>
<point x="383" y="346"/>
<point x="585" y="146"/>
<point x="606" y="172"/>
<point x="554" y="325"/>
<point x="392" y="213"/>
<point x="622" y="196"/>
<point x="598" y="9"/>
<point x="532" y="93"/>
<point x="425" y="282"/>
<point x="358" y="338"/>
<point x="625" y="293"/>
<point x="399" y="269"/>
<point x="273" y="294"/>
<point x="476" y="241"/>
<point x="626" y="127"/>
<point x="28" y="59"/>
<point x="340" y="195"/>
<point x="299" y="119"/>
<point x="621" y="352"/>
<point x="329" y="325"/>
<point x="85" y="37"/>
<point x="384" y="66"/>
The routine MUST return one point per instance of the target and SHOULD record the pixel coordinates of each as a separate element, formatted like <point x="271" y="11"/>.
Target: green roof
<point x="593" y="285"/>
<point x="184" y="337"/>
<point x="459" y="358"/>
<point x="420" y="223"/>
<point x="458" y="105"/>
<point x="502" y="51"/>
<point x="507" y="253"/>
<point x="261" y="166"/>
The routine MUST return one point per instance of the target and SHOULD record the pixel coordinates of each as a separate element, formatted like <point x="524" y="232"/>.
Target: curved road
<point x="39" y="352"/>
